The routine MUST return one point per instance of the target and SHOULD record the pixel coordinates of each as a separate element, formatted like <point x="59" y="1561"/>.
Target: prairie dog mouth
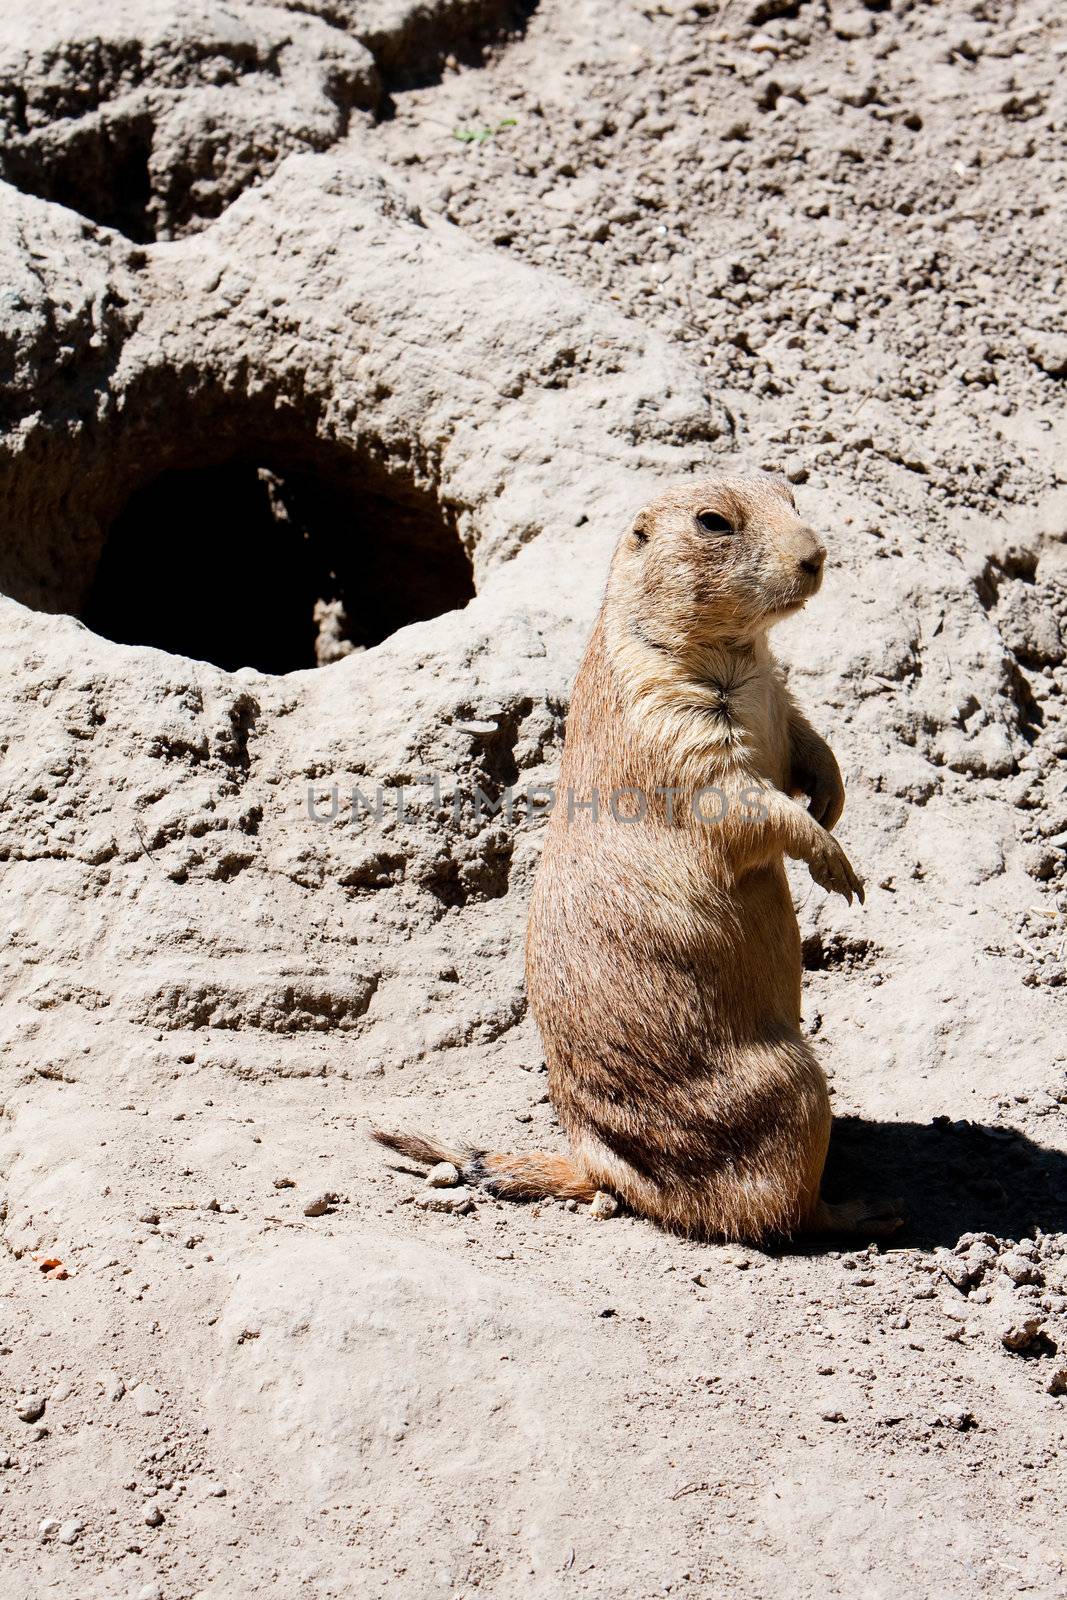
<point x="784" y="605"/>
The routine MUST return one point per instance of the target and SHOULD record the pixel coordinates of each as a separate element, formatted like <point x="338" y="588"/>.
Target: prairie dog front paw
<point x="832" y="870"/>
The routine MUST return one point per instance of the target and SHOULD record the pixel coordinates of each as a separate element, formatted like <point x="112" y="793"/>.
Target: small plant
<point x="480" y="135"/>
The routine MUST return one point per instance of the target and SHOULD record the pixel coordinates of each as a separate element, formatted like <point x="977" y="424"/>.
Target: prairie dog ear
<point x="641" y="527"/>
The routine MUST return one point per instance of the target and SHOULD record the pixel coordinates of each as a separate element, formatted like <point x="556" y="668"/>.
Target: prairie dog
<point x="663" y="953"/>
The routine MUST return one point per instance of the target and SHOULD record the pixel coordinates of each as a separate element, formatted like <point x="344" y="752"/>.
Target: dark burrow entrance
<point x="101" y="171"/>
<point x="246" y="566"/>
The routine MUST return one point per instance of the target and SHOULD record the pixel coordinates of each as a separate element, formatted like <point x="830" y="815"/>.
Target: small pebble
<point x="967" y="1241"/>
<point x="284" y="1183"/>
<point x="1020" y="1336"/>
<point x="153" y="1516"/>
<point x="852" y="24"/>
<point x="151" y="1217"/>
<point x="457" y="1202"/>
<point x="31" y="1409"/>
<point x="47" y="1528"/>
<point x="321" y="1204"/>
<point x="1019" y="1268"/>
<point x="962" y="1274"/>
<point x="69" y="1531"/>
<point x="604" y="1206"/>
<point x="956" y="1417"/>
<point x="445" y="1175"/>
<point x="147" y="1400"/>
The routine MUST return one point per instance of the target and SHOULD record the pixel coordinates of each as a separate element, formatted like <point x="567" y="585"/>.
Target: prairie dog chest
<point x="752" y="727"/>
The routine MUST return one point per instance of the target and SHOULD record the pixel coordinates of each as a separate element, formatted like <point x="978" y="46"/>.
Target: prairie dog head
<point x="715" y="562"/>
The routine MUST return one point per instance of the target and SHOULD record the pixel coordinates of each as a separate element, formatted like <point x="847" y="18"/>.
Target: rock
<point x="320" y="1205"/>
<point x="150" y="1216"/>
<point x="284" y="1183"/>
<point x="965" y="1272"/>
<point x="1021" y="1336"/>
<point x="603" y="1206"/>
<point x="68" y="1531"/>
<point x="153" y="1516"/>
<point x="1019" y="1268"/>
<point x="1057" y="1383"/>
<point x="31" y="1408"/>
<point x="957" y="1418"/>
<point x="1029" y="624"/>
<point x="831" y="1414"/>
<point x="1048" y="351"/>
<point x="147" y="1400"/>
<point x="445" y="1175"/>
<point x="150" y="1591"/>
<point x="967" y="1242"/>
<point x="853" y="24"/>
<point x="47" y="1527"/>
<point x="112" y="1385"/>
<point x="456" y="1201"/>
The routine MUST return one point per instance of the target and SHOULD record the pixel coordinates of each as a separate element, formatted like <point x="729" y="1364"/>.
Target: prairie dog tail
<point x="515" y="1177"/>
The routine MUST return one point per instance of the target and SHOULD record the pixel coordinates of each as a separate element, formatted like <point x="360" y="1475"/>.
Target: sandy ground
<point x="846" y="223"/>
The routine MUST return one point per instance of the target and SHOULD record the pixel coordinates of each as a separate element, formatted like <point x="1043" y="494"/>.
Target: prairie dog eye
<point x="711" y="522"/>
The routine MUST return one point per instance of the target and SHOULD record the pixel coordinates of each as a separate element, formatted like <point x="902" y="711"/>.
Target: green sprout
<point x="480" y="135"/>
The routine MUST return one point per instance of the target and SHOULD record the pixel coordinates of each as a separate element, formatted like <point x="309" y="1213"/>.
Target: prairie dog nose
<point x="812" y="563"/>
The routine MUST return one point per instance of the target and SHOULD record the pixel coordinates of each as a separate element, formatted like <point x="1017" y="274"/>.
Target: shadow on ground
<point x="950" y="1177"/>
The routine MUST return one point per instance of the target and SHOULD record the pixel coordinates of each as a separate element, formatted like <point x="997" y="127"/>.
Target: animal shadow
<point x="949" y="1177"/>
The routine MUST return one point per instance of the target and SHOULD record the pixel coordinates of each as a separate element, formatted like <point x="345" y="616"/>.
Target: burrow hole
<point x="102" y="172"/>
<point x="245" y="565"/>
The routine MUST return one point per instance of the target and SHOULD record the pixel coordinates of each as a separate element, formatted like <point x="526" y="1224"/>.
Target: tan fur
<point x="531" y="1176"/>
<point x="663" y="954"/>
